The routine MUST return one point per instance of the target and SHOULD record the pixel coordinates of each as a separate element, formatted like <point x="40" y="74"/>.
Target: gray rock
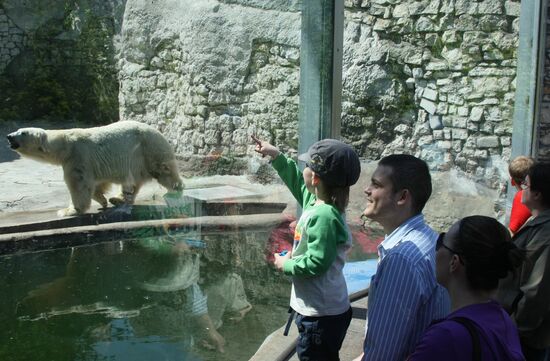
<point x="512" y="8"/>
<point x="430" y="94"/>
<point x="435" y="122"/>
<point x="477" y="114"/>
<point x="490" y="7"/>
<point x="428" y="105"/>
<point x="488" y="142"/>
<point x="459" y="133"/>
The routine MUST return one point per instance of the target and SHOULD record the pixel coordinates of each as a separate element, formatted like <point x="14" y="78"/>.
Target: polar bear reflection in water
<point x="127" y="153"/>
<point x="141" y="297"/>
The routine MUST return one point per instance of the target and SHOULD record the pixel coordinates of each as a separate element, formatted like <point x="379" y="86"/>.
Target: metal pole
<point x="320" y="71"/>
<point x="528" y="82"/>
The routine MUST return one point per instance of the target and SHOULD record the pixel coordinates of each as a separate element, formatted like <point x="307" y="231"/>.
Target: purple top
<point x="450" y="341"/>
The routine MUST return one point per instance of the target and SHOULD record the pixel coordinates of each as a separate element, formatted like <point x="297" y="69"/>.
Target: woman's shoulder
<point x="447" y="331"/>
<point x="443" y="340"/>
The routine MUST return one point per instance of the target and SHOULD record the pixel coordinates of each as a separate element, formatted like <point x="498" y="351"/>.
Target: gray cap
<point x="334" y="161"/>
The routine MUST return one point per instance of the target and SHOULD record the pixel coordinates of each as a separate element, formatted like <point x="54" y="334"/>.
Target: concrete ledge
<point x="35" y="221"/>
<point x="75" y="236"/>
<point x="277" y="347"/>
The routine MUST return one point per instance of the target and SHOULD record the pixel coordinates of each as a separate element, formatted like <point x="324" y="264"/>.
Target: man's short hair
<point x="519" y="168"/>
<point x="411" y="173"/>
<point x="539" y="178"/>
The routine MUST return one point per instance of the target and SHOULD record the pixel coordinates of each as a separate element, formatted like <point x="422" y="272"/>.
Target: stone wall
<point x="212" y="73"/>
<point x="434" y="77"/>
<point x="12" y="40"/>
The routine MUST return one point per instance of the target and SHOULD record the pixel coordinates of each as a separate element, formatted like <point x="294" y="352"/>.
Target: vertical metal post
<point x="539" y="85"/>
<point x="528" y="77"/>
<point x="530" y="57"/>
<point x="337" y="55"/>
<point x="320" y="71"/>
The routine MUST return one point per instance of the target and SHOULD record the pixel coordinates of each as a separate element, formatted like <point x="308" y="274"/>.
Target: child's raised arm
<point x="264" y="148"/>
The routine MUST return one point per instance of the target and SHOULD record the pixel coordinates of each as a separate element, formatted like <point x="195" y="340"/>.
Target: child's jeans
<point x="321" y="337"/>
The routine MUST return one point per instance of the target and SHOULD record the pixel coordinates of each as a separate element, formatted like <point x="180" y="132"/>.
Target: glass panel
<point x="181" y="273"/>
<point x="436" y="80"/>
<point x="430" y="78"/>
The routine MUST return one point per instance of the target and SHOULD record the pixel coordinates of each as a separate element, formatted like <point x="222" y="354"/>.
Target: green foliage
<point x="42" y="96"/>
<point x="97" y="51"/>
<point x="51" y="97"/>
<point x="64" y="78"/>
<point x="8" y="100"/>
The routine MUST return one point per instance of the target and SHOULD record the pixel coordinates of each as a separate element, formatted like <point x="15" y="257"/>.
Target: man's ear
<point x="403" y="196"/>
<point x="536" y="195"/>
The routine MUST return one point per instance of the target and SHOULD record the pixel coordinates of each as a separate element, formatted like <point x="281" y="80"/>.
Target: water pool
<point x="151" y="298"/>
<point x="133" y="300"/>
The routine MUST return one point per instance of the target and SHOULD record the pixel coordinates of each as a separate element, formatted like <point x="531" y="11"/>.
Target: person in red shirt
<point x="519" y="214"/>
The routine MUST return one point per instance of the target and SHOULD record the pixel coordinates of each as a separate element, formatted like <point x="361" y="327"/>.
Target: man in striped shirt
<point x="404" y="296"/>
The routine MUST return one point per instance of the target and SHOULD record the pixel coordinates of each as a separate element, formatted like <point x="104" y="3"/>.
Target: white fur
<point x="126" y="153"/>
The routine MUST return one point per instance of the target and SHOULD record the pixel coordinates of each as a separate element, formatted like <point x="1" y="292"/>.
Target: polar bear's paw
<point x="117" y="201"/>
<point x="67" y="212"/>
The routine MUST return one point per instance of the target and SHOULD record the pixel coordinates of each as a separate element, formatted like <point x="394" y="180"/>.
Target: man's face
<point x="528" y="196"/>
<point x="381" y="197"/>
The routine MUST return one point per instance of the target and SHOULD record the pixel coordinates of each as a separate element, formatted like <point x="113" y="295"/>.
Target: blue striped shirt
<point x="404" y="296"/>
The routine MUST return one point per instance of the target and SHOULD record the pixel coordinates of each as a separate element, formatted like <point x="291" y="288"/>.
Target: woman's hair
<point x="487" y="251"/>
<point x="338" y="197"/>
<point x="539" y="180"/>
<point x="519" y="168"/>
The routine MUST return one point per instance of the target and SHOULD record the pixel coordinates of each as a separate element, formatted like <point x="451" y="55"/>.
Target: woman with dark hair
<point x="527" y="295"/>
<point x="470" y="260"/>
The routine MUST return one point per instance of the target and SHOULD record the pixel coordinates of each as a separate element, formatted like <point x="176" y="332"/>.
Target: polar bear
<point x="127" y="153"/>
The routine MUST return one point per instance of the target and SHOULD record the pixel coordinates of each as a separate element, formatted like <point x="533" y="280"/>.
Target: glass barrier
<point x="177" y="263"/>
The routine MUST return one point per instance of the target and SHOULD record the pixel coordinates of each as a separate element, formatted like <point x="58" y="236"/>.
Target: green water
<point x="113" y="302"/>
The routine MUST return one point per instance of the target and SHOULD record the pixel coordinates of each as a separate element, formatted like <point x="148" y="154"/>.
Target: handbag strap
<point x="476" y="347"/>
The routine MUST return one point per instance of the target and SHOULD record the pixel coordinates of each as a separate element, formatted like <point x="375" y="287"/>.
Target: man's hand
<point x="212" y="339"/>
<point x="216" y="340"/>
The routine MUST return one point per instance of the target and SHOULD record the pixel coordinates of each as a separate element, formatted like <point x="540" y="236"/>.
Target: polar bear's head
<point x="31" y="142"/>
<point x="166" y="173"/>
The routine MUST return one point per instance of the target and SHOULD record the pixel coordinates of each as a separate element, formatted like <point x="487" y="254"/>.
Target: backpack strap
<point x="474" y="334"/>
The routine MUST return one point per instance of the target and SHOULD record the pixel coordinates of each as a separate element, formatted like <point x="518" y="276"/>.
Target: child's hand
<point x="264" y="148"/>
<point x="280" y="260"/>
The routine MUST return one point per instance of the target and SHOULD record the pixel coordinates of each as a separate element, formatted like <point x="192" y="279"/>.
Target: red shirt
<point x="519" y="213"/>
